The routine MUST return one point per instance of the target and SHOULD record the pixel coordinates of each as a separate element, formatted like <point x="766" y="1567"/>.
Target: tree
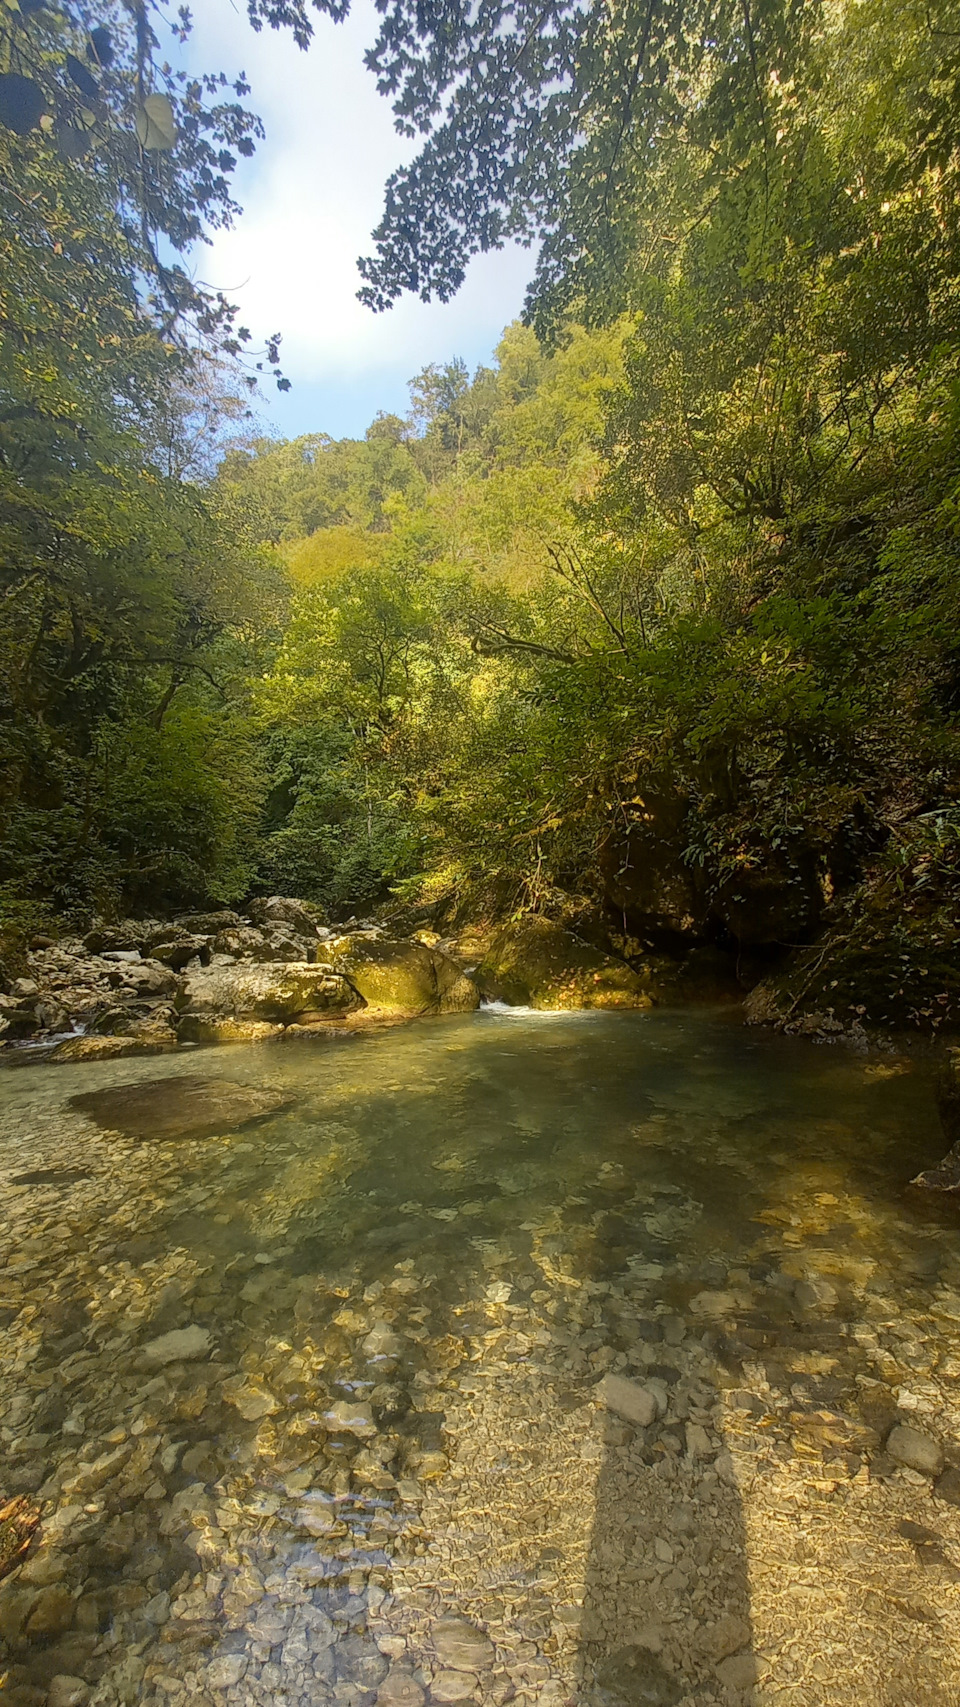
<point x="133" y="604"/>
<point x="112" y="167"/>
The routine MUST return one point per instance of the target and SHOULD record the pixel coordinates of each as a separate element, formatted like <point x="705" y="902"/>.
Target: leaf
<point x="78" y="74"/>
<point x="21" y="102"/>
<point x="156" y="126"/>
<point x="101" y="46"/>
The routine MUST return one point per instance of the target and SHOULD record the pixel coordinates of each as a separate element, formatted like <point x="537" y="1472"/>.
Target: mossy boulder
<point x="399" y="976"/>
<point x="539" y="964"/>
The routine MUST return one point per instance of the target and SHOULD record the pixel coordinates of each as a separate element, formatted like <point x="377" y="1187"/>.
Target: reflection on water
<point x="296" y="1396"/>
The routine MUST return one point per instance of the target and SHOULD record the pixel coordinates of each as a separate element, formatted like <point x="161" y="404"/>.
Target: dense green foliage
<point x="653" y="620"/>
<point x="133" y="604"/>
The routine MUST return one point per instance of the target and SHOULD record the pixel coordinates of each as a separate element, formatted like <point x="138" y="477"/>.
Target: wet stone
<point x="948" y="1487"/>
<point x="224" y="1672"/>
<point x="453" y="1686"/>
<point x="400" y="1689"/>
<point x="180" y="1345"/>
<point x="179" y="1108"/>
<point x="461" y="1646"/>
<point x="916" y="1450"/>
<point x="740" y="1671"/>
<point x="635" y="1677"/>
<point x="67" y="1692"/>
<point x="51" y="1613"/>
<point x="629" y="1400"/>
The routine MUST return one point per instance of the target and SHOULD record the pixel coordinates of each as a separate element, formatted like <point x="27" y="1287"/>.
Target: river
<point x="377" y="1464"/>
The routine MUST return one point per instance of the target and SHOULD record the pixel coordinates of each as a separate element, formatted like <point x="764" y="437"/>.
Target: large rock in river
<point x="278" y="991"/>
<point x="539" y="964"/>
<point x="179" y="1107"/>
<point x="401" y="976"/>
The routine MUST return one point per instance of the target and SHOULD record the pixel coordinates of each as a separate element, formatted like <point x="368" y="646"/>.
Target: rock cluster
<point x="145" y="988"/>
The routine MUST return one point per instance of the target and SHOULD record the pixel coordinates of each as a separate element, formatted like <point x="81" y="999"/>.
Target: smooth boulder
<point x="403" y="976"/>
<point x="179" y="1107"/>
<point x="278" y="991"/>
<point x="628" y="1399"/>
<point x="461" y="1646"/>
<point x="918" y="1451"/>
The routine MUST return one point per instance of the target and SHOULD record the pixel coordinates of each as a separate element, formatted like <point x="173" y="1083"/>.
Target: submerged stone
<point x="916" y="1450"/>
<point x="400" y="1689"/>
<point x="179" y="1108"/>
<point x="449" y="1686"/>
<point x="629" y="1400"/>
<point x="634" y="1677"/>
<point x="461" y="1646"/>
<point x="948" y="1487"/>
<point x="183" y="1345"/>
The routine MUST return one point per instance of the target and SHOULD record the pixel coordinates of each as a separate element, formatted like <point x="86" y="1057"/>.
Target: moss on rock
<point x="539" y="964"/>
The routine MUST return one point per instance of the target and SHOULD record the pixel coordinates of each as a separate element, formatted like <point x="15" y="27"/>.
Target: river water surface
<point x="400" y="1294"/>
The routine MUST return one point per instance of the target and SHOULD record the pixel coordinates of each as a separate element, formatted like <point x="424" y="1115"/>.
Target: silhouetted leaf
<point x="101" y="46"/>
<point x="78" y="74"/>
<point x="21" y="102"/>
<point x="156" y="126"/>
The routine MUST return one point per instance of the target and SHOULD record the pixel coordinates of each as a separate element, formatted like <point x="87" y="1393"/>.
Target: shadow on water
<point x="412" y="1282"/>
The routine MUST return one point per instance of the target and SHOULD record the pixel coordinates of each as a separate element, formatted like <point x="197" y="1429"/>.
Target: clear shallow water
<point x="458" y="1227"/>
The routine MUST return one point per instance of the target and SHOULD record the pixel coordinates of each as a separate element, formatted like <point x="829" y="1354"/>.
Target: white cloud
<point x="311" y="197"/>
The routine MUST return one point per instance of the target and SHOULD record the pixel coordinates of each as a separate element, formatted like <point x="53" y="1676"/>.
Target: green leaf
<point x="156" y="126"/>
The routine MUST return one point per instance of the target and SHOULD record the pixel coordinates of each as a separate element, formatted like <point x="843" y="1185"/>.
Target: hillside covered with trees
<point x="650" y="626"/>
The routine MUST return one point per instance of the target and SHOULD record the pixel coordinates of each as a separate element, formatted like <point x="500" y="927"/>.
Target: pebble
<point x="633" y="1675"/>
<point x="453" y="1685"/>
<point x="400" y="1688"/>
<point x="251" y="1399"/>
<point x="182" y="1345"/>
<point x="629" y="1400"/>
<point x="67" y="1691"/>
<point x="224" y="1672"/>
<point x="352" y="1416"/>
<point x="461" y="1646"/>
<point x="740" y="1671"/>
<point x="815" y="1294"/>
<point x="231" y="1525"/>
<point x="948" y="1487"/>
<point x="916" y="1450"/>
<point x="52" y="1613"/>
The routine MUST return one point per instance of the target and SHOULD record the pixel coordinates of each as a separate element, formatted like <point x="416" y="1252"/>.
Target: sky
<point x="311" y="196"/>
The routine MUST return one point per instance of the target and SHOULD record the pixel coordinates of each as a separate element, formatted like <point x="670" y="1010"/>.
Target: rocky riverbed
<point x="597" y="1358"/>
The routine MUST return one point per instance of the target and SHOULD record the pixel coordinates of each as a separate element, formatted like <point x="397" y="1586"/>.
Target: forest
<point x="650" y="626"/>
